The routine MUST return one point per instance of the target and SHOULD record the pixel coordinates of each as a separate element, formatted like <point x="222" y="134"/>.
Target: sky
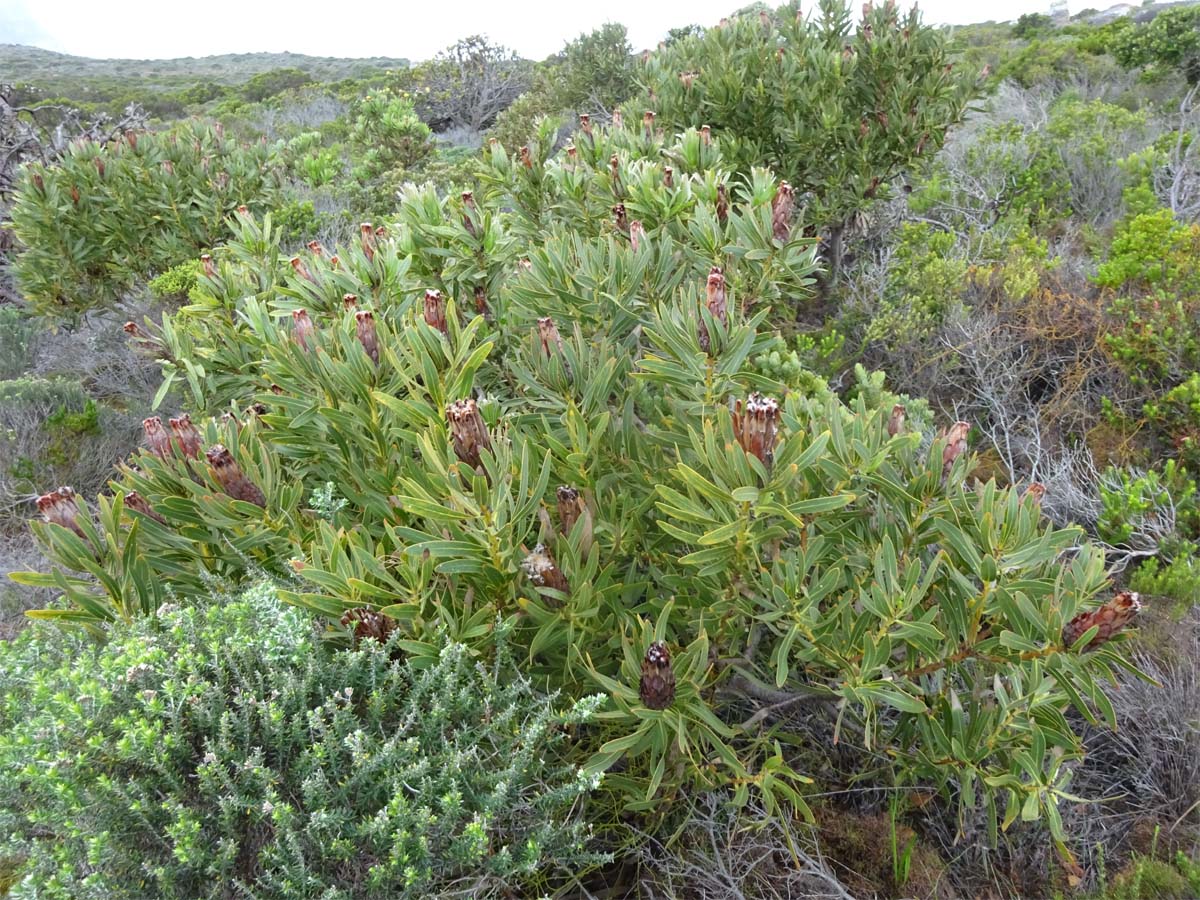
<point x="145" y="29"/>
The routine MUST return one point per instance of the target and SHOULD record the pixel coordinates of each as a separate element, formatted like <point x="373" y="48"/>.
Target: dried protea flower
<point x="864" y="128"/>
<point x="688" y="79"/>
<point x="364" y="324"/>
<point x="481" y="303"/>
<point x="219" y="130"/>
<point x="722" y="204"/>
<point x="705" y="136"/>
<point x="210" y="269"/>
<point x="231" y="477"/>
<point x="540" y="568"/>
<point x="131" y="138"/>
<point x="614" y="171"/>
<point x="525" y="265"/>
<point x="316" y="248"/>
<point x="468" y="431"/>
<point x="435" y="311"/>
<point x="668" y="176"/>
<point x="158" y="441"/>
<point x="301" y="269"/>
<point x="61" y="508"/>
<point x="75" y="195"/>
<point x="985" y="72"/>
<point x="715" y="302"/>
<point x="657" y="687"/>
<point x="882" y="118"/>
<point x="243" y="210"/>
<point x="349" y="302"/>
<point x="585" y="124"/>
<point x="619" y="217"/>
<point x="136" y="502"/>
<point x="648" y="125"/>
<point x="755" y="426"/>
<point x="872" y="188"/>
<point x="468" y="219"/>
<point x="304" y="332"/>
<point x="781" y="211"/>
<point x="636" y="233"/>
<point x="618" y="121"/>
<point x="366" y="239"/>
<point x="100" y="166"/>
<point x="38" y="182"/>
<point x="276" y="389"/>
<point x="228" y="418"/>
<point x="921" y="144"/>
<point x="335" y="262"/>
<point x="143" y="340"/>
<point x="1110" y="618"/>
<point x="551" y="340"/>
<point x="1034" y="493"/>
<point x="380" y="232"/>
<point x="572" y="509"/>
<point x="367" y="624"/>
<point x="187" y="436"/>
<point x="896" y="420"/>
<point x="526" y="158"/>
<point x="572" y="156"/>
<point x="956" y="444"/>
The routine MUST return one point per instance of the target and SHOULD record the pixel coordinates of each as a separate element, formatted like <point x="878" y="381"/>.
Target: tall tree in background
<point x="836" y="109"/>
<point x="595" y="72"/>
<point x="470" y="83"/>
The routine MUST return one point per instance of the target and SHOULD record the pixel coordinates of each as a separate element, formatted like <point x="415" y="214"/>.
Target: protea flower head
<point x="585" y="124"/>
<point x="1109" y="618"/>
<point x="896" y="420"/>
<point x="187" y="436"/>
<point x="572" y="508"/>
<point x="551" y="340"/>
<point x="335" y="262"/>
<point x="301" y="269"/>
<point x="722" y="204"/>
<point x="715" y="301"/>
<point x="636" y="233"/>
<point x="781" y="211"/>
<point x="468" y="431"/>
<point x="525" y="265"/>
<point x="1034" y="492"/>
<point x="231" y="477"/>
<point x="136" y="502"/>
<point x="435" y="310"/>
<point x="688" y="79"/>
<point x="243" y="210"/>
<point x="303" y="331"/>
<point x="956" y="444"/>
<point x="315" y="248"/>
<point x="158" y="441"/>
<point x="481" y="304"/>
<point x="367" y="624"/>
<point x="755" y="426"/>
<point x="131" y="139"/>
<point x="657" y="687"/>
<point x="540" y="568"/>
<point x="764" y="19"/>
<point x="380" y="231"/>
<point x="526" y="158"/>
<point x="100" y="166"/>
<point x="468" y="201"/>
<point x="364" y="323"/>
<point x="618" y="120"/>
<point x="38" y="181"/>
<point x="648" y="124"/>
<point x="619" y="217"/>
<point x="668" y="176"/>
<point x="705" y="135"/>
<point x="210" y="269"/>
<point x="366" y="239"/>
<point x="349" y="302"/>
<point x="572" y="156"/>
<point x="75" y="194"/>
<point x="61" y="508"/>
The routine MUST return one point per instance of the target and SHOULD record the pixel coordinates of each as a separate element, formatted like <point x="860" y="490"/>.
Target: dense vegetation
<point x="588" y="475"/>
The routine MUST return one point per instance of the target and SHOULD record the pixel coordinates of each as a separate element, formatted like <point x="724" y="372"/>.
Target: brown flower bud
<point x="231" y="477"/>
<point x="525" y="265"/>
<point x="618" y="121"/>
<point x="61" y="508"/>
<point x="870" y="192"/>
<point x="136" y="502"/>
<point x="956" y="444"/>
<point x="657" y="687"/>
<point x="636" y="233"/>
<point x="781" y="211"/>
<point x="301" y="269"/>
<point x="755" y="427"/>
<point x="571" y="509"/>
<point x="367" y="624"/>
<point x="705" y="136"/>
<point x="668" y="176"/>
<point x="722" y="204"/>
<point x="100" y="166"/>
<point x="304" y="332"/>
<point x="468" y="431"/>
<point x="688" y="79"/>
<point x="380" y="231"/>
<point x="210" y="269"/>
<point x="1034" y="493"/>
<point x="469" y="212"/>
<point x="526" y="158"/>
<point x="38" y="181"/>
<point x="276" y="389"/>
<point x="763" y="19"/>
<point x="364" y="324"/>
<point x="648" y="125"/>
<point x="366" y="239"/>
<point x="335" y="262"/>
<point x="540" y="568"/>
<point x="349" y="302"/>
<point x="921" y="144"/>
<point x="316" y="248"/>
<point x="619" y="217"/>
<point x="481" y="303"/>
<point x="585" y="124"/>
<point x="572" y="156"/>
<point x="896" y="420"/>
<point x="187" y="436"/>
<point x="243" y="210"/>
<point x="715" y="302"/>
<point x="549" y="337"/>
<point x="158" y="441"/>
<point x="614" y="171"/>
<point x="435" y="311"/>
<point x="75" y="195"/>
<point x="131" y="138"/>
<point x="1110" y="618"/>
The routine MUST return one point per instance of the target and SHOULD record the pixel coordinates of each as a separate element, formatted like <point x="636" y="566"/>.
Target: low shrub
<point x="223" y="751"/>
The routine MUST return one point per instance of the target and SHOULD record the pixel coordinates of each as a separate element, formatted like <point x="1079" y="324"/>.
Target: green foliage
<point x="1178" y="579"/>
<point x="105" y="218"/>
<point x="296" y="221"/>
<point x="1030" y="24"/>
<point x="18" y="332"/>
<point x="834" y="109"/>
<point x="1169" y="41"/>
<point x="839" y="564"/>
<point x="176" y="282"/>
<point x="267" y="84"/>
<point x="220" y="748"/>
<point x="1129" y="499"/>
<point x="594" y="72"/>
<point x="387" y="140"/>
<point x="925" y="284"/>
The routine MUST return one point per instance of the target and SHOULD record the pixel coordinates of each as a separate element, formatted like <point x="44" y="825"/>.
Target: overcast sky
<point x="144" y="29"/>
